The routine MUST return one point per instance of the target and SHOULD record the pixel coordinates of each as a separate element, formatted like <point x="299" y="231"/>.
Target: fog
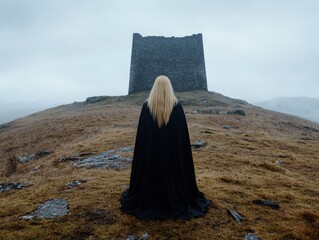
<point x="304" y="107"/>
<point x="65" y="51"/>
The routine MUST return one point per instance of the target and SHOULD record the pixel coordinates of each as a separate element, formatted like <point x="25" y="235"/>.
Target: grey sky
<point x="67" y="50"/>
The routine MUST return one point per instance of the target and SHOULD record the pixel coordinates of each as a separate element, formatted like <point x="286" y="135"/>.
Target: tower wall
<point x="181" y="59"/>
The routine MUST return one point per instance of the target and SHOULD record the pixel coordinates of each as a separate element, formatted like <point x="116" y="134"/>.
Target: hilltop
<point x="251" y="153"/>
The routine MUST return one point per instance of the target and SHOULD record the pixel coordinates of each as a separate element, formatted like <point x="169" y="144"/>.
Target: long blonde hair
<point x="161" y="100"/>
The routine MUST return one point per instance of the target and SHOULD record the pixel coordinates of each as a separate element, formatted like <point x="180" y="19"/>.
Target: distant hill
<point x="12" y="111"/>
<point x="304" y="107"/>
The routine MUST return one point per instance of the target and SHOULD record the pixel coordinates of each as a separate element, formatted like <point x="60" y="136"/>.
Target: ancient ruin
<point x="181" y="59"/>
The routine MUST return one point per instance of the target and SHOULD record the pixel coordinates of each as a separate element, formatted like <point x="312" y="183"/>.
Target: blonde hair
<point x="161" y="100"/>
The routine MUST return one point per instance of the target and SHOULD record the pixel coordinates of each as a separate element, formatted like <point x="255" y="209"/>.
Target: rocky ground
<point x="63" y="170"/>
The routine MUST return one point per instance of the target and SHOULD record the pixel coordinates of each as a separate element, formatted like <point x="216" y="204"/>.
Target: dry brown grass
<point x="11" y="166"/>
<point x="233" y="169"/>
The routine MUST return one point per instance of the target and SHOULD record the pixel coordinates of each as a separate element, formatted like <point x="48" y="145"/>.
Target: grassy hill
<point x="262" y="155"/>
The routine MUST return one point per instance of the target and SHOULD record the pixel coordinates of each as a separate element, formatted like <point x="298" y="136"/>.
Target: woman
<point x="163" y="183"/>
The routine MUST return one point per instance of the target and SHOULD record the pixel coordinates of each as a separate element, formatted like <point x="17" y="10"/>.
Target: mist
<point x="65" y="51"/>
<point x="304" y="107"/>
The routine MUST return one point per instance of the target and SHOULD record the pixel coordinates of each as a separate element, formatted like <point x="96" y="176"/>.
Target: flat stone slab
<point x="50" y="209"/>
<point x="251" y="236"/>
<point x="4" y="187"/>
<point x="113" y="159"/>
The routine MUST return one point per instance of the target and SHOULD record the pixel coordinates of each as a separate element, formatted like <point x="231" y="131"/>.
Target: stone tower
<point x="181" y="59"/>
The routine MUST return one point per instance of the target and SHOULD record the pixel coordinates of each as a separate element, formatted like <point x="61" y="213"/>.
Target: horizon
<point x="14" y="111"/>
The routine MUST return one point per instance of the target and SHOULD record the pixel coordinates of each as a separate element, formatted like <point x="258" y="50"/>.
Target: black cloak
<point x="163" y="183"/>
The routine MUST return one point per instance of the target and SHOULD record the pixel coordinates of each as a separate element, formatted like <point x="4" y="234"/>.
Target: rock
<point x="4" y="187"/>
<point x="145" y="236"/>
<point x="124" y="149"/>
<point x="96" y="99"/>
<point x="76" y="183"/>
<point x="199" y="143"/>
<point x="203" y="111"/>
<point x="186" y="102"/>
<point x="70" y="158"/>
<point x="264" y="202"/>
<point x="206" y="111"/>
<point x="237" y="112"/>
<point x="107" y="159"/>
<point x="40" y="154"/>
<point x="311" y="129"/>
<point x="131" y="237"/>
<point x="248" y="139"/>
<point x="50" y="209"/>
<point x="204" y="101"/>
<point x="251" y="236"/>
<point x="85" y="154"/>
<point x="306" y="139"/>
<point x="27" y="217"/>
<point x="25" y="159"/>
<point x="206" y="131"/>
<point x="77" y="156"/>
<point x="278" y="162"/>
<point x="235" y="215"/>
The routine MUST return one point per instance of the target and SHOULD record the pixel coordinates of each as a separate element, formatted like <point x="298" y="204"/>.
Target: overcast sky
<point x="67" y="50"/>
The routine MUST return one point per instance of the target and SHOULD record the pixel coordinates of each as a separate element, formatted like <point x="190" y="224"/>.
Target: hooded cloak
<point x="163" y="184"/>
